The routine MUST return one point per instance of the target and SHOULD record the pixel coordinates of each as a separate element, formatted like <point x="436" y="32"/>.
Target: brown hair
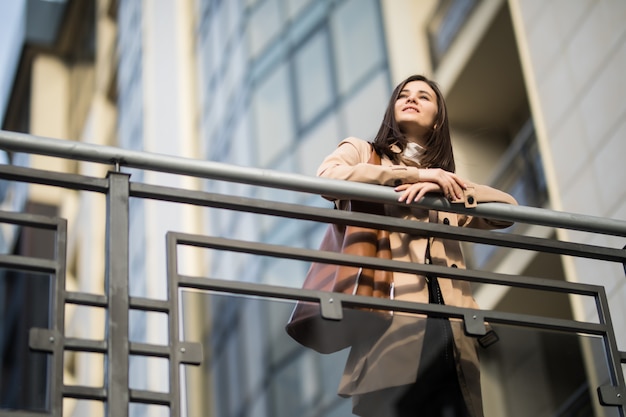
<point x="438" y="147"/>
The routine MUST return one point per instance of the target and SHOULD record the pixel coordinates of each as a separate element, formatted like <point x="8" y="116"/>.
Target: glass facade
<point x="281" y="83"/>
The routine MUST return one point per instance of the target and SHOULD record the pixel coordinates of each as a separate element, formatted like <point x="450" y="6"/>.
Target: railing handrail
<point x="20" y="142"/>
<point x="117" y="346"/>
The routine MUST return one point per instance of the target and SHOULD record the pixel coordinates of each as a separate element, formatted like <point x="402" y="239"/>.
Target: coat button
<point x="397" y="182"/>
<point x="470" y="200"/>
<point x="446" y="221"/>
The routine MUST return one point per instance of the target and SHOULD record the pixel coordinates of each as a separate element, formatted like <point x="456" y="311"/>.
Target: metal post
<point x="117" y="292"/>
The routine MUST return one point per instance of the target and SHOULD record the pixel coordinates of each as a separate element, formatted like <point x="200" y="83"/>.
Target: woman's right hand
<point x="415" y="192"/>
<point x="451" y="185"/>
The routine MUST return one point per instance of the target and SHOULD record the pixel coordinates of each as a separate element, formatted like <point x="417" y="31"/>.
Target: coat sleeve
<point x="476" y="194"/>
<point x="349" y="162"/>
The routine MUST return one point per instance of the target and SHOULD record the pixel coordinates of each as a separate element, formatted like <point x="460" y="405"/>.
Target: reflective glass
<point x="317" y="144"/>
<point x="25" y="374"/>
<point x="272" y="110"/>
<point x="218" y="39"/>
<point x="264" y="26"/>
<point x="363" y="113"/>
<point x="295" y="6"/>
<point x="313" y="77"/>
<point x="357" y="38"/>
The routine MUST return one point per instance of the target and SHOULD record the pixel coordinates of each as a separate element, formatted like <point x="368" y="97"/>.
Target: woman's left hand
<point x="415" y="192"/>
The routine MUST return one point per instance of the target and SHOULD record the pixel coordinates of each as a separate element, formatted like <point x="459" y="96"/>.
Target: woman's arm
<point x="349" y="161"/>
<point x="476" y="194"/>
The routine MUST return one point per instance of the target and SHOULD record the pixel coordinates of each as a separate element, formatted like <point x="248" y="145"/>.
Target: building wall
<point x="574" y="58"/>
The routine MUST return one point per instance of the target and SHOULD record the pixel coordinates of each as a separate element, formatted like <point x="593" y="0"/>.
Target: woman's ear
<point x="435" y="126"/>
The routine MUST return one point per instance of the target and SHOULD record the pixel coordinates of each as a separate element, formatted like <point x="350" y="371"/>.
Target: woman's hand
<point x="451" y="185"/>
<point x="415" y="192"/>
<point x="433" y="181"/>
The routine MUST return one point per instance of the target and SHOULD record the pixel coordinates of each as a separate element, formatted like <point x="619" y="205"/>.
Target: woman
<point x="418" y="367"/>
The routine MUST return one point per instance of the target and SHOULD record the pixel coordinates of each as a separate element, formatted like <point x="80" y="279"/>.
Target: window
<point x="313" y="77"/>
<point x="274" y="125"/>
<point x="358" y="43"/>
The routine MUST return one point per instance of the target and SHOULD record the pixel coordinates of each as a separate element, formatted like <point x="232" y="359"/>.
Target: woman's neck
<point x="417" y="139"/>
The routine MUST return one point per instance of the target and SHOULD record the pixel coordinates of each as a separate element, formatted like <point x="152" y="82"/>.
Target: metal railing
<point x="118" y="189"/>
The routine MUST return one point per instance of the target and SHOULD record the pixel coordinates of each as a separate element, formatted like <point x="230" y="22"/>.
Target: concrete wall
<point x="574" y="59"/>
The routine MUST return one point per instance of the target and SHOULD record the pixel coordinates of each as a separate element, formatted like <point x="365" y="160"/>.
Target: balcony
<point x="211" y="341"/>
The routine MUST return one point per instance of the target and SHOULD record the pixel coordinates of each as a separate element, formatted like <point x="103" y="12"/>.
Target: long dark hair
<point x="438" y="147"/>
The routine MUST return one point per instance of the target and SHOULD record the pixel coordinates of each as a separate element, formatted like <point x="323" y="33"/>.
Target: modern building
<point x="534" y="91"/>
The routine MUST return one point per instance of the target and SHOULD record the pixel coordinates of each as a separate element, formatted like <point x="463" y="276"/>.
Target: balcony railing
<point x="600" y="359"/>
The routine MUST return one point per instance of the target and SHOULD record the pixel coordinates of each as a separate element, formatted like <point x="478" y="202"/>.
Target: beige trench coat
<point x="375" y="371"/>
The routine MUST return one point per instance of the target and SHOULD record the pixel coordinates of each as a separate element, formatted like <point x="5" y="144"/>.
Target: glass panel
<point x="357" y="40"/>
<point x="317" y="144"/>
<point x="365" y="110"/>
<point x="253" y="367"/>
<point x="272" y="110"/>
<point x="264" y="25"/>
<point x="313" y="77"/>
<point x="24" y="373"/>
<point x="295" y="6"/>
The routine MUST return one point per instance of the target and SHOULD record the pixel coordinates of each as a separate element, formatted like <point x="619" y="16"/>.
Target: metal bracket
<point x="475" y="324"/>
<point x="189" y="353"/>
<point x="331" y="308"/>
<point x="43" y="340"/>
<point x="611" y="395"/>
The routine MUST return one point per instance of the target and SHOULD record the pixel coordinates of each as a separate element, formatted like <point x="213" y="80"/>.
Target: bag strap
<point x="366" y="206"/>
<point x="374" y="157"/>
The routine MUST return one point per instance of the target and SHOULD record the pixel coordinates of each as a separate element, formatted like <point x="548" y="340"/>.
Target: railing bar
<point x="610" y="344"/>
<point x="174" y="323"/>
<point x="265" y="290"/>
<point x="20" y="142"/>
<point x="27" y="263"/>
<point x="51" y="178"/>
<point x="327" y="215"/>
<point x="85" y="345"/>
<point x="57" y="317"/>
<point x="117" y="291"/>
<point x="29" y="220"/>
<point x="311" y="255"/>
<point x="20" y="413"/>
<point x="145" y="349"/>
<point x="86" y="299"/>
<point x="84" y="393"/>
<point x="149" y="304"/>
<point x="150" y="397"/>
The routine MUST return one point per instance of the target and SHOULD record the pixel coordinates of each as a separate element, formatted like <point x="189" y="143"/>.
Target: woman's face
<point x="416" y="108"/>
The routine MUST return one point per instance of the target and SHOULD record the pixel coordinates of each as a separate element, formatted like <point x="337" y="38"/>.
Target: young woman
<point x="418" y="367"/>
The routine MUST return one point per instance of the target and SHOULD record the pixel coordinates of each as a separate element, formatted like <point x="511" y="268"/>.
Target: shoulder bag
<point x="307" y="326"/>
